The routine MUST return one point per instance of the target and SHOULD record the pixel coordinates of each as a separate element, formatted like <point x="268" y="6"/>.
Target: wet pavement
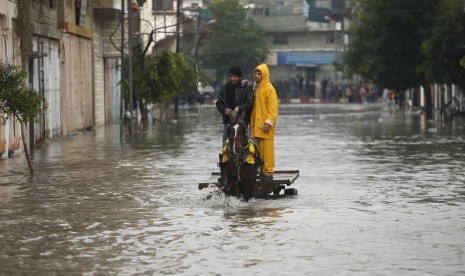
<point x="379" y="194"/>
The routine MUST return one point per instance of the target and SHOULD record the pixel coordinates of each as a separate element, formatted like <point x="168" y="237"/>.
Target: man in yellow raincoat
<point x="263" y="119"/>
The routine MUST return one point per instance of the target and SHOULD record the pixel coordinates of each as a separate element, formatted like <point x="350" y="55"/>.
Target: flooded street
<point x="379" y="194"/>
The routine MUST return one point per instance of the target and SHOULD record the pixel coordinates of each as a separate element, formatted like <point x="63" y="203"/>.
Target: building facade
<point x="10" y="132"/>
<point x="73" y="62"/>
<point x="107" y="24"/>
<point x="301" y="44"/>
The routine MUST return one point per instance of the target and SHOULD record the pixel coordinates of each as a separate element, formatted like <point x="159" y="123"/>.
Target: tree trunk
<point x="25" y="148"/>
<point x="443" y="106"/>
<point x="176" y="102"/>
<point x="144" y="118"/>
<point x="428" y="101"/>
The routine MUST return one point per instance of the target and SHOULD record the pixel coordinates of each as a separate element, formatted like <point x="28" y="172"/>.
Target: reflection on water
<point x="379" y="194"/>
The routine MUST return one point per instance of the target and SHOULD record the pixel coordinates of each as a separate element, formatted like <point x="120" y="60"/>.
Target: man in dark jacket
<point x="234" y="98"/>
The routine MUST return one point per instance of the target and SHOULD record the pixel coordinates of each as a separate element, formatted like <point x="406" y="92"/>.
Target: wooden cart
<point x="281" y="179"/>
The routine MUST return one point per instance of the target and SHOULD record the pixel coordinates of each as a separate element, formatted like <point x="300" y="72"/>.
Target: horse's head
<point x="237" y="134"/>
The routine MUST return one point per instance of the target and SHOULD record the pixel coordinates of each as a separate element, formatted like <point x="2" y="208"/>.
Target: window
<point x="80" y="9"/>
<point x="4" y="55"/>
<point x="280" y="40"/>
<point x="159" y="5"/>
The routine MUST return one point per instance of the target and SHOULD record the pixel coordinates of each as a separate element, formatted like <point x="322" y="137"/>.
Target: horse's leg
<point x="231" y="188"/>
<point x="248" y="180"/>
<point x="241" y="186"/>
<point x="224" y="179"/>
<point x="235" y="190"/>
<point x="233" y="183"/>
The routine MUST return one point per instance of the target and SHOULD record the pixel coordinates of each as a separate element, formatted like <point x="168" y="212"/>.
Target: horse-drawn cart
<point x="263" y="188"/>
<point x="242" y="167"/>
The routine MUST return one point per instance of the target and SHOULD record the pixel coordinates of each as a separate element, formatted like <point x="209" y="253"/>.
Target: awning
<point x="307" y="59"/>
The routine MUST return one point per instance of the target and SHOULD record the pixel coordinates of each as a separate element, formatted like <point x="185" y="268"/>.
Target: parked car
<point x="207" y="94"/>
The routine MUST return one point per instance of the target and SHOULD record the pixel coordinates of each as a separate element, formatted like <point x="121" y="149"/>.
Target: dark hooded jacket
<point x="238" y="95"/>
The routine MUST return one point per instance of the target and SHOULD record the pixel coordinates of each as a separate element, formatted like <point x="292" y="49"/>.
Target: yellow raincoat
<point x="265" y="110"/>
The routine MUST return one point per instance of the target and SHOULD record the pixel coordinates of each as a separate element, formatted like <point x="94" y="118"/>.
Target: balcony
<point x="107" y="5"/>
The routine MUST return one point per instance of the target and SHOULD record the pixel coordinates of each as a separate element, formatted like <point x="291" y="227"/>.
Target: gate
<point x="46" y="79"/>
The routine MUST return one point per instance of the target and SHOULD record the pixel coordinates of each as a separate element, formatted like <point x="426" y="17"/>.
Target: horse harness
<point x="238" y="157"/>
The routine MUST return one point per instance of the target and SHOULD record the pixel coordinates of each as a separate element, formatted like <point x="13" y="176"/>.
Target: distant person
<point x="293" y="88"/>
<point x="312" y="91"/>
<point x="349" y="93"/>
<point x="234" y="97"/>
<point x="324" y="83"/>
<point x="263" y="119"/>
<point x="308" y="87"/>
<point x="330" y="90"/>
<point x="363" y="94"/>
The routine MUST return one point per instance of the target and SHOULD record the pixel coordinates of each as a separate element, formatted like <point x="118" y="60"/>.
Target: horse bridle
<point x="241" y="156"/>
<point x="244" y="148"/>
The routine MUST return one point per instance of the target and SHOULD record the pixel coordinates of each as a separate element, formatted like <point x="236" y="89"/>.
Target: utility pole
<point x="130" y="65"/>
<point x="335" y="47"/>
<point x="196" y="37"/>
<point x="121" y="110"/>
<point x="178" y="15"/>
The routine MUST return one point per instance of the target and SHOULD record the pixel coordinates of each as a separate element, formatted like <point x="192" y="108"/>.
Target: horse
<point x="239" y="161"/>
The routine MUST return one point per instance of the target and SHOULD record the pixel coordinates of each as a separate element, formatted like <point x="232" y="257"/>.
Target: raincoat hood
<point x="265" y="109"/>
<point x="265" y="73"/>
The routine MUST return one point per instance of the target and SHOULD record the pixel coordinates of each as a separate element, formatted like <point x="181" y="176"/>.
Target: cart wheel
<point x="290" y="191"/>
<point x="277" y="190"/>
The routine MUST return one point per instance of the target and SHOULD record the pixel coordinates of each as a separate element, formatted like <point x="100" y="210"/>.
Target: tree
<point x="233" y="39"/>
<point x="386" y="42"/>
<point x="18" y="100"/>
<point x="444" y="46"/>
<point x="161" y="78"/>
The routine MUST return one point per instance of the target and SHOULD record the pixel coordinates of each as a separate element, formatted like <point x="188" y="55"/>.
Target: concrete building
<point x="9" y="133"/>
<point x="72" y="60"/>
<point x="76" y="22"/>
<point x="44" y="69"/>
<point x="300" y="43"/>
<point x="107" y="24"/>
<point x="158" y="25"/>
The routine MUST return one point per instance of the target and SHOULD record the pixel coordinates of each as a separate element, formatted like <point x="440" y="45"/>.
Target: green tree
<point x="402" y="44"/>
<point x="386" y="42"/>
<point x="161" y="78"/>
<point x="233" y="39"/>
<point x="444" y="46"/>
<point x="18" y="100"/>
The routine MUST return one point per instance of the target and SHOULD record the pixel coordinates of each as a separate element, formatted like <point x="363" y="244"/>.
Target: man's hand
<point x="245" y="82"/>
<point x="266" y="127"/>
<point x="236" y="109"/>
<point x="228" y="112"/>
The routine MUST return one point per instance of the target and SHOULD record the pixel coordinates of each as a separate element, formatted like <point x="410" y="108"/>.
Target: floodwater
<point x="379" y="194"/>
